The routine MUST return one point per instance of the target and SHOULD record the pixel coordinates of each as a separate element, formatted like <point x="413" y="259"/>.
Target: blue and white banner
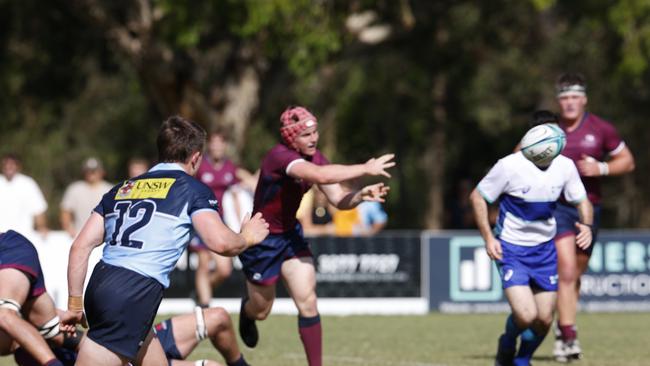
<point x="463" y="279"/>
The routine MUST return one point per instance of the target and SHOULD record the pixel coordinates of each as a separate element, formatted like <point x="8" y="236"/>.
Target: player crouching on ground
<point x="179" y="336"/>
<point x="522" y="244"/>
<point x="27" y="314"/>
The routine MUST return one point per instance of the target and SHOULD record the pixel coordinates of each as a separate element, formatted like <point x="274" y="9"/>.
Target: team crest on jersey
<point x="207" y="178"/>
<point x="589" y="140"/>
<point x="145" y="188"/>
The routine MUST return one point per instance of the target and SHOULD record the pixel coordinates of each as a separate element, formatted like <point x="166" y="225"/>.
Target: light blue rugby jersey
<point x="528" y="196"/>
<point x="147" y="219"/>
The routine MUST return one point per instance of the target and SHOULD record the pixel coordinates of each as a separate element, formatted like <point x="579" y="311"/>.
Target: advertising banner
<point x="385" y="265"/>
<point x="464" y="279"/>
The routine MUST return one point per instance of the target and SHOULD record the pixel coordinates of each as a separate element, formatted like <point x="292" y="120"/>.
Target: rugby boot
<point x="247" y="328"/>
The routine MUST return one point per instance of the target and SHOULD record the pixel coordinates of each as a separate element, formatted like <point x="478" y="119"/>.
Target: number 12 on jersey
<point x="141" y="211"/>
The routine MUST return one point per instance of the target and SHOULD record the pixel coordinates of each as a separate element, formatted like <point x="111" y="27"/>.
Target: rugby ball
<point x="543" y="143"/>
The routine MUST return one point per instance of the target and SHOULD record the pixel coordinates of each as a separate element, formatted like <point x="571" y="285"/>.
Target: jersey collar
<point x="167" y="166"/>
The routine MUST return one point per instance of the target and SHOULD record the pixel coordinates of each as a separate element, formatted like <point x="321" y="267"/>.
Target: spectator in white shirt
<point x="22" y="205"/>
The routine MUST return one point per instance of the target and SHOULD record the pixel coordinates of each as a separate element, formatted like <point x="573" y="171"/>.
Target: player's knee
<point x="526" y="317"/>
<point x="7" y="316"/>
<point x="309" y="305"/>
<point x="224" y="271"/>
<point x="545" y="320"/>
<point x="217" y="319"/>
<point x="568" y="276"/>
<point x="261" y="312"/>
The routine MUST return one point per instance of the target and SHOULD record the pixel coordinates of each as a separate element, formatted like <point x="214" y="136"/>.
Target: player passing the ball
<point x="288" y="170"/>
<point x="522" y="242"/>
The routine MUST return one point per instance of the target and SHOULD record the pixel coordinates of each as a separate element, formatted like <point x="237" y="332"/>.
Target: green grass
<point x="435" y="339"/>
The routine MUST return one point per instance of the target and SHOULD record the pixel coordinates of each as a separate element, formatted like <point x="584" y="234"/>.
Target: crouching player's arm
<point x="480" y="208"/>
<point x="91" y="236"/>
<point x="586" y="213"/>
<point x="220" y="239"/>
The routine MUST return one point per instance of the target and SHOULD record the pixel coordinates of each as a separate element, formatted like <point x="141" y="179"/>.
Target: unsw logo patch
<point x="145" y="188"/>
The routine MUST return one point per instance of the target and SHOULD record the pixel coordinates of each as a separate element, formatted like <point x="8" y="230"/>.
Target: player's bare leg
<point x="94" y="354"/>
<point x="567" y="296"/>
<point x="534" y="335"/>
<point x="222" y="271"/>
<point x="256" y="306"/>
<point x="15" y="288"/>
<point x="202" y="278"/>
<point x="151" y="353"/>
<point x="299" y="276"/>
<point x="524" y="312"/>
<point x="219" y="329"/>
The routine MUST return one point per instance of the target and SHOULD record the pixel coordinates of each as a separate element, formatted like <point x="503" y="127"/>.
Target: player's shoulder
<point x="564" y="164"/>
<point x="319" y="158"/>
<point x="13" y="237"/>
<point x="512" y="160"/>
<point x="598" y="122"/>
<point x="563" y="161"/>
<point x="279" y="154"/>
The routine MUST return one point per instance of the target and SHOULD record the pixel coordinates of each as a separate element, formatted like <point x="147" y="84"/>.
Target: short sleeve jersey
<point x="528" y="196"/>
<point x="219" y="180"/>
<point x="278" y="195"/>
<point x="148" y="219"/>
<point x="594" y="137"/>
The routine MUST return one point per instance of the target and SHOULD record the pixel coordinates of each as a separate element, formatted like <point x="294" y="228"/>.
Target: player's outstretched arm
<point x="336" y="173"/>
<point x="220" y="239"/>
<point x="91" y="236"/>
<point x="480" y="208"/>
<point x="344" y="200"/>
<point x="586" y="213"/>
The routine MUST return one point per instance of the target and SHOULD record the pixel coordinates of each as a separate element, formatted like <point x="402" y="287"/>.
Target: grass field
<point x="435" y="340"/>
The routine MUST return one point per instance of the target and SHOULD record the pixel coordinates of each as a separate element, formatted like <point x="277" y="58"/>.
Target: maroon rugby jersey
<point x="219" y="180"/>
<point x="278" y="195"/>
<point x="594" y="137"/>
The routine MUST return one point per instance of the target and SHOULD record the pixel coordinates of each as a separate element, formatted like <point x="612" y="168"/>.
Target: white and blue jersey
<point x="528" y="196"/>
<point x="148" y="219"/>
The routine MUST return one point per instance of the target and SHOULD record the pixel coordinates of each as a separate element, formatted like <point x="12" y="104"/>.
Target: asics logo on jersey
<point x="145" y="188"/>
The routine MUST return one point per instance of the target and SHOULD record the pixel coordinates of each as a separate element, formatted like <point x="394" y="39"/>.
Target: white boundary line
<point x="326" y="306"/>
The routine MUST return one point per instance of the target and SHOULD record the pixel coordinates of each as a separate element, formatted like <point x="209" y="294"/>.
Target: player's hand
<point x="584" y="237"/>
<point x="69" y="320"/>
<point x="375" y="192"/>
<point x="588" y="166"/>
<point x="254" y="229"/>
<point x="378" y="166"/>
<point x="493" y="248"/>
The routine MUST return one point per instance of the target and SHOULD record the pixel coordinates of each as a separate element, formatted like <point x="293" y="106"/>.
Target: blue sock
<point x="529" y="343"/>
<point x="508" y="341"/>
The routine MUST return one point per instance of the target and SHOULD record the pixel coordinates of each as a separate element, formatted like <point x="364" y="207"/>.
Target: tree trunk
<point x="435" y="156"/>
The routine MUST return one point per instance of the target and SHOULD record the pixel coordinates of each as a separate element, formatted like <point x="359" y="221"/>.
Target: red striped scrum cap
<point x="294" y="121"/>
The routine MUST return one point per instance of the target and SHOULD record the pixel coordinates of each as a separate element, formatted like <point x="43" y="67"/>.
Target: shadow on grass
<point x="492" y="356"/>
